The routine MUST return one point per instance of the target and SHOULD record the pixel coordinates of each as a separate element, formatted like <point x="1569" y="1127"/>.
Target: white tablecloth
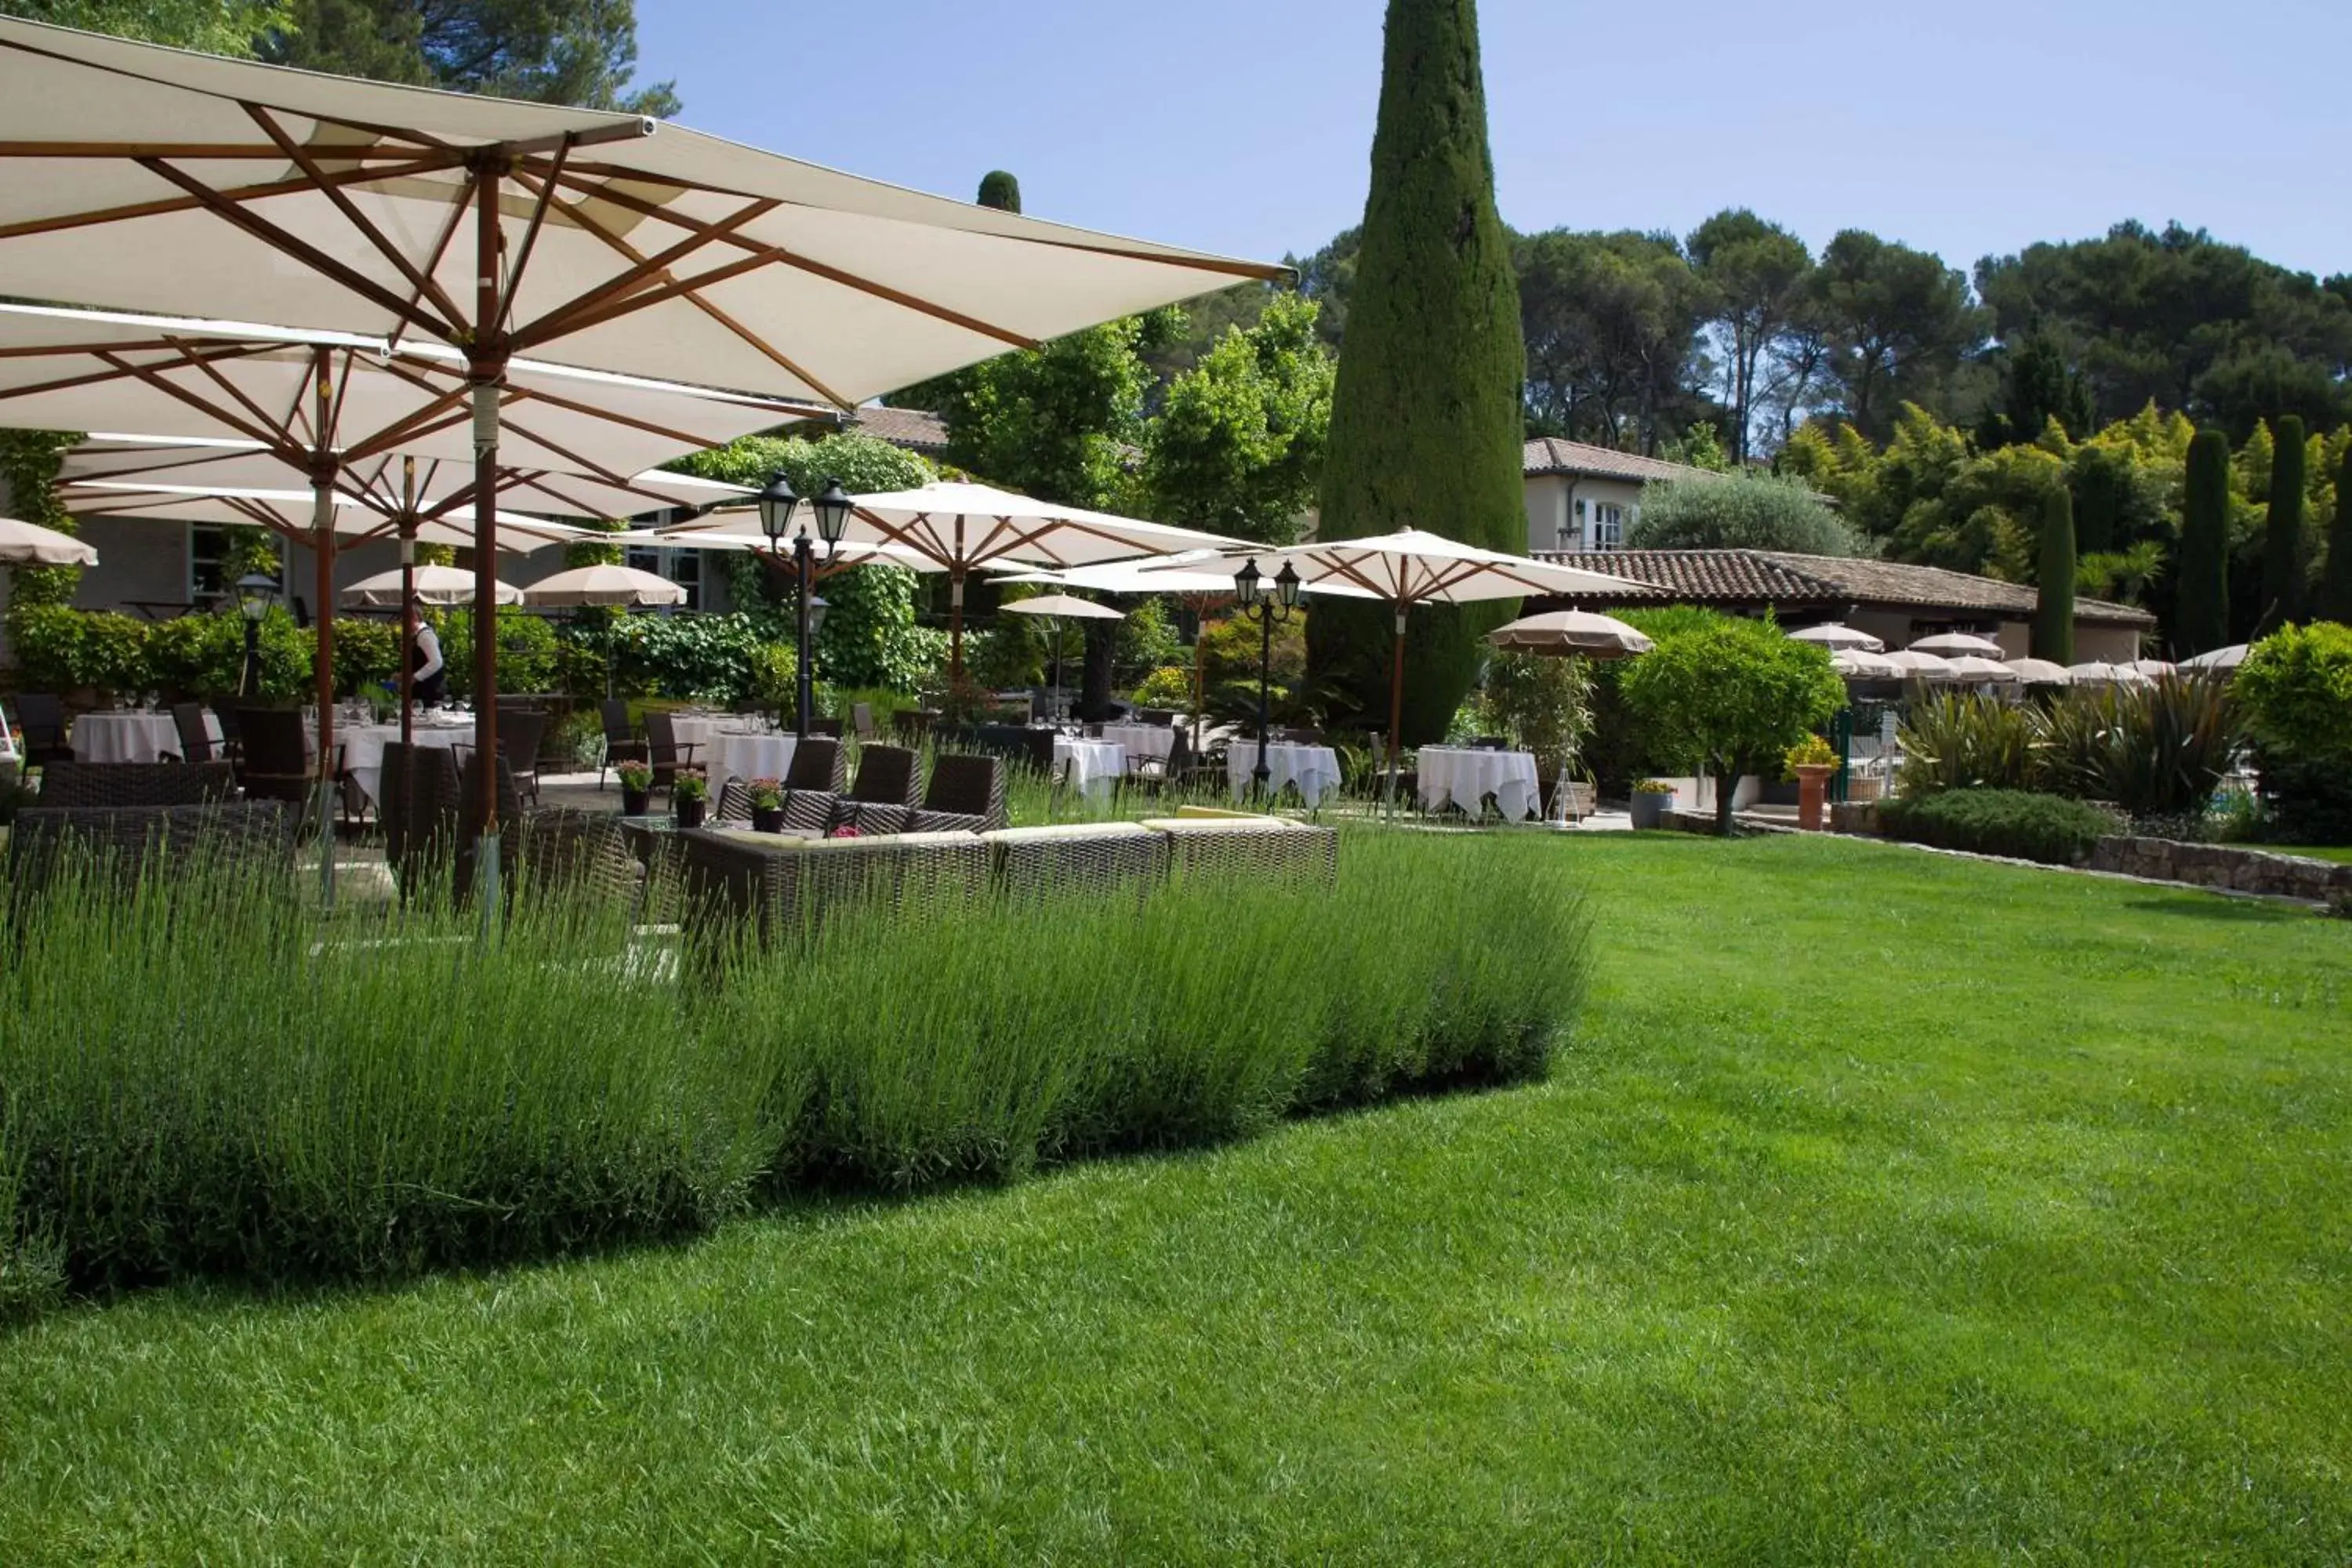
<point x="1314" y="769"/>
<point x="730" y="755"/>
<point x="1141" y="740"/>
<point x="1466" y="777"/>
<point x="363" y="747"/>
<point x="130" y="737"/>
<point x="1095" y="767"/>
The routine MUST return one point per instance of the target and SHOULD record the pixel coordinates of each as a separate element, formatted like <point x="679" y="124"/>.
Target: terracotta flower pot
<point x="1812" y="792"/>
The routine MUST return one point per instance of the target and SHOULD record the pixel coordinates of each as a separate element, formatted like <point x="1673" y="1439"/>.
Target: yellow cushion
<point x="1215" y="813"/>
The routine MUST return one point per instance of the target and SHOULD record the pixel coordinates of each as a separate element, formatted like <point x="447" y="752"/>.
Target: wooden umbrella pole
<point x="408" y="603"/>
<point x="955" y="628"/>
<point x="323" y="646"/>
<point x="487" y="369"/>
<point x="1396" y="704"/>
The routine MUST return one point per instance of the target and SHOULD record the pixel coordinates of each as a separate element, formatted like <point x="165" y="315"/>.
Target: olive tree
<point x="1728" y="696"/>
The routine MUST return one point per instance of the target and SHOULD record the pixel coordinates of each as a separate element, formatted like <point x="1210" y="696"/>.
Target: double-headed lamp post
<point x="1268" y="610"/>
<point x="254" y="593"/>
<point x="778" y="503"/>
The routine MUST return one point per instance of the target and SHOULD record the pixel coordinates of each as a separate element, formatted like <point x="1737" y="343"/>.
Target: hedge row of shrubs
<point x="2019" y="824"/>
<point x="2154" y="751"/>
<point x="191" y="1081"/>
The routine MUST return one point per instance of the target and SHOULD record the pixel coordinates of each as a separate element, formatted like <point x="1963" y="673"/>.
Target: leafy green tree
<point x="2283" y="528"/>
<point x="1329" y="278"/>
<point x="1738" y="512"/>
<point x="2054" y="603"/>
<point x="583" y="53"/>
<point x="1897" y="320"/>
<point x="1238" y="446"/>
<point x="2200" y="614"/>
<point x="2037" y="386"/>
<point x="1000" y="190"/>
<point x="215" y="27"/>
<point x="2336" y="584"/>
<point x="1425" y="420"/>
<point x="1612" y="324"/>
<point x="1728" y="696"/>
<point x="1754" y="274"/>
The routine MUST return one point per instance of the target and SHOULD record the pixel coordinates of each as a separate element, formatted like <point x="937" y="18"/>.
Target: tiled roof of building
<point x="1556" y="455"/>
<point x="1780" y="577"/>
<point x="909" y="427"/>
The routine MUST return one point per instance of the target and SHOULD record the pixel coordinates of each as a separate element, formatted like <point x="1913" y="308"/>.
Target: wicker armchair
<point x="770" y="889"/>
<point x="565" y="850"/>
<point x="276" y="761"/>
<point x="1267" y="848"/>
<point x="418" y="811"/>
<point x="622" y="743"/>
<point x="521" y="731"/>
<point x="665" y="750"/>
<point x="41" y="728"/>
<point x="469" y="821"/>
<point x="888" y="776"/>
<point x="101" y="786"/>
<point x="818" y="763"/>
<point x="196" y="742"/>
<point x="1078" y="857"/>
<point x="964" y="786"/>
<point x="132" y="842"/>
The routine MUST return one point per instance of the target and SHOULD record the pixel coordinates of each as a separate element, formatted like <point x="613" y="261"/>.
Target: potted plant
<point x="1652" y="799"/>
<point x="767" y="805"/>
<point x="688" y="797"/>
<point x="636" y="787"/>
<point x="1811" y="763"/>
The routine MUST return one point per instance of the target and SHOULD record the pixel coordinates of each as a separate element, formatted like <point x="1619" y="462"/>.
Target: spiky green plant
<point x="1960" y="739"/>
<point x="2156" y="752"/>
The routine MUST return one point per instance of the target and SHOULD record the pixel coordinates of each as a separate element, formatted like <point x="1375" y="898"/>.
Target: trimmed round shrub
<point x="2295" y="692"/>
<point x="1739" y="512"/>
<point x="2015" y="823"/>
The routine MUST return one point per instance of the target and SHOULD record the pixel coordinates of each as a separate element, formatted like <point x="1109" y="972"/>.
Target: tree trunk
<point x="1101" y="653"/>
<point x="1726" y="785"/>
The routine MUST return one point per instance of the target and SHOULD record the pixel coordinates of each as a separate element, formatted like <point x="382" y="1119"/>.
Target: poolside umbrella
<point x="2220" y="659"/>
<point x="1836" y="638"/>
<point x="148" y="178"/>
<point x="1914" y="665"/>
<point x="433" y="584"/>
<point x="1950" y="644"/>
<point x="2096" y="673"/>
<point x="2040" y="672"/>
<point x="1970" y="670"/>
<point x="961" y="527"/>
<point x="1057" y="608"/>
<point x="1410" y="567"/>
<point x="1576" y="633"/>
<point x="30" y="545"/>
<point x="1855" y="664"/>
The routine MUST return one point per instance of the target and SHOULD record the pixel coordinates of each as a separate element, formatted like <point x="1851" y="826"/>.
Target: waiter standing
<point x="431" y="678"/>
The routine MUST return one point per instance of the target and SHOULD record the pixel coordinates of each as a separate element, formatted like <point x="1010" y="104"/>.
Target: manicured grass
<point x="2338" y="852"/>
<point x="1890" y="1206"/>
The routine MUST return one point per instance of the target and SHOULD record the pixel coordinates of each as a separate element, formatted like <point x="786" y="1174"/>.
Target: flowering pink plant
<point x="847" y="830"/>
<point x="768" y="794"/>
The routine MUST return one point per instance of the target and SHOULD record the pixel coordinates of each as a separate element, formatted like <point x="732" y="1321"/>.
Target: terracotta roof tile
<point x="1780" y="577"/>
<point x="1556" y="455"/>
<point x="909" y="427"/>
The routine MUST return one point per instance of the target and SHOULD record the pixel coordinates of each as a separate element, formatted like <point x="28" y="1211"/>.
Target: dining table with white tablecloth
<point x="362" y="745"/>
<point x="1315" y="770"/>
<point x="1465" y="776"/>
<point x="1095" y="767"/>
<point x="729" y="747"/>
<point x="111" y="737"/>
<point x="1141" y="740"/>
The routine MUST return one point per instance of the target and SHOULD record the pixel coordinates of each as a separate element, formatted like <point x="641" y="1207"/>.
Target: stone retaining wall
<point x="2224" y="865"/>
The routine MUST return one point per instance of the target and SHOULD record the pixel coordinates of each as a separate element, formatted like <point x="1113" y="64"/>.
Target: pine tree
<point x="2335" y="586"/>
<point x="2283" y="533"/>
<point x="1001" y="191"/>
<point x="1425" y="419"/>
<point x="2054" y="604"/>
<point x="2200" y="608"/>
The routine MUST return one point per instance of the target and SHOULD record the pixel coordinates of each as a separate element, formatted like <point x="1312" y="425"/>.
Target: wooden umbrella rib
<point x="649" y="296"/>
<point x="652" y="269"/>
<point x="167" y="205"/>
<point x="301" y="159"/>
<point x="438" y="415"/>
<point x="285" y="437"/>
<point x="530" y="237"/>
<point x="263" y="434"/>
<point x="586" y="466"/>
<point x="310" y="254"/>
<point x="116" y="370"/>
<point x="433" y="261"/>
<point x="571" y="210"/>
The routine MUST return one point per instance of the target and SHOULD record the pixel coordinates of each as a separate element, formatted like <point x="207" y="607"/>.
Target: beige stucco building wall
<point x="1553" y="523"/>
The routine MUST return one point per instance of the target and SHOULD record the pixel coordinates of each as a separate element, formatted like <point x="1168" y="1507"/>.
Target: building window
<point x="1608" y="526"/>
<point x="683" y="567"/>
<point x="210" y="546"/>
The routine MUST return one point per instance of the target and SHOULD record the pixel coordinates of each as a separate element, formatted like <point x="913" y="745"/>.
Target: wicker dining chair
<point x="130" y="843"/>
<point x="861" y="720"/>
<point x="97" y="786"/>
<point x="964" y="792"/>
<point x="417" y="806"/>
<point x="622" y="742"/>
<point x="41" y="728"/>
<point x="276" y="761"/>
<point x="818" y="763"/>
<point x="888" y="776"/>
<point x="565" y="850"/>
<point x="520" y="732"/>
<point x="665" y="750"/>
<point x="196" y="742"/>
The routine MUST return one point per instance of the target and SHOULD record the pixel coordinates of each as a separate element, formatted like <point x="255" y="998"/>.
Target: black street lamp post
<point x="778" y="503"/>
<point x="1269" y="611"/>
<point x="255" y="595"/>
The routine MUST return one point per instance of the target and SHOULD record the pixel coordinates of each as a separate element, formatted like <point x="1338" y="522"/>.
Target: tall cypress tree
<point x="1001" y="191"/>
<point x="2335" y="586"/>
<point x="2200" y="606"/>
<point x="1425" y="419"/>
<point x="2282" y="532"/>
<point x="2054" y="603"/>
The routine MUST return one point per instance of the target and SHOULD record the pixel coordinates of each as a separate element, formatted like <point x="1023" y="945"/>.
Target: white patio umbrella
<point x="1913" y="665"/>
<point x="30" y="545"/>
<point x="1057" y="608"/>
<point x="2040" y="672"/>
<point x="290" y="513"/>
<point x="2094" y="672"/>
<point x="1834" y="637"/>
<point x="614" y="588"/>
<point x="1580" y="632"/>
<point x="2220" y="659"/>
<point x="1969" y="671"/>
<point x="1949" y="645"/>
<point x="503" y="229"/>
<point x="2152" y="667"/>
<point x="961" y="527"/>
<point x="1855" y="664"/>
<point x="1410" y="567"/>
<point x="431" y="585"/>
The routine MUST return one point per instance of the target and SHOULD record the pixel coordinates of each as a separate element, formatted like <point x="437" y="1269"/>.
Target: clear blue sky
<point x="1963" y="128"/>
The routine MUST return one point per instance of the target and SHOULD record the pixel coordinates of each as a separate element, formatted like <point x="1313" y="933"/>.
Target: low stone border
<point x="2223" y="865"/>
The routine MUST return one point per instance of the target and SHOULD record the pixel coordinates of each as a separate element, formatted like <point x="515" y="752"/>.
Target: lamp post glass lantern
<point x="254" y="593"/>
<point x="1269" y="611"/>
<point x="778" y="504"/>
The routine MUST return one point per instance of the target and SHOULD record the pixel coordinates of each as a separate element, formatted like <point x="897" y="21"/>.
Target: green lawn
<point x="1890" y="1206"/>
<point x="2341" y="852"/>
